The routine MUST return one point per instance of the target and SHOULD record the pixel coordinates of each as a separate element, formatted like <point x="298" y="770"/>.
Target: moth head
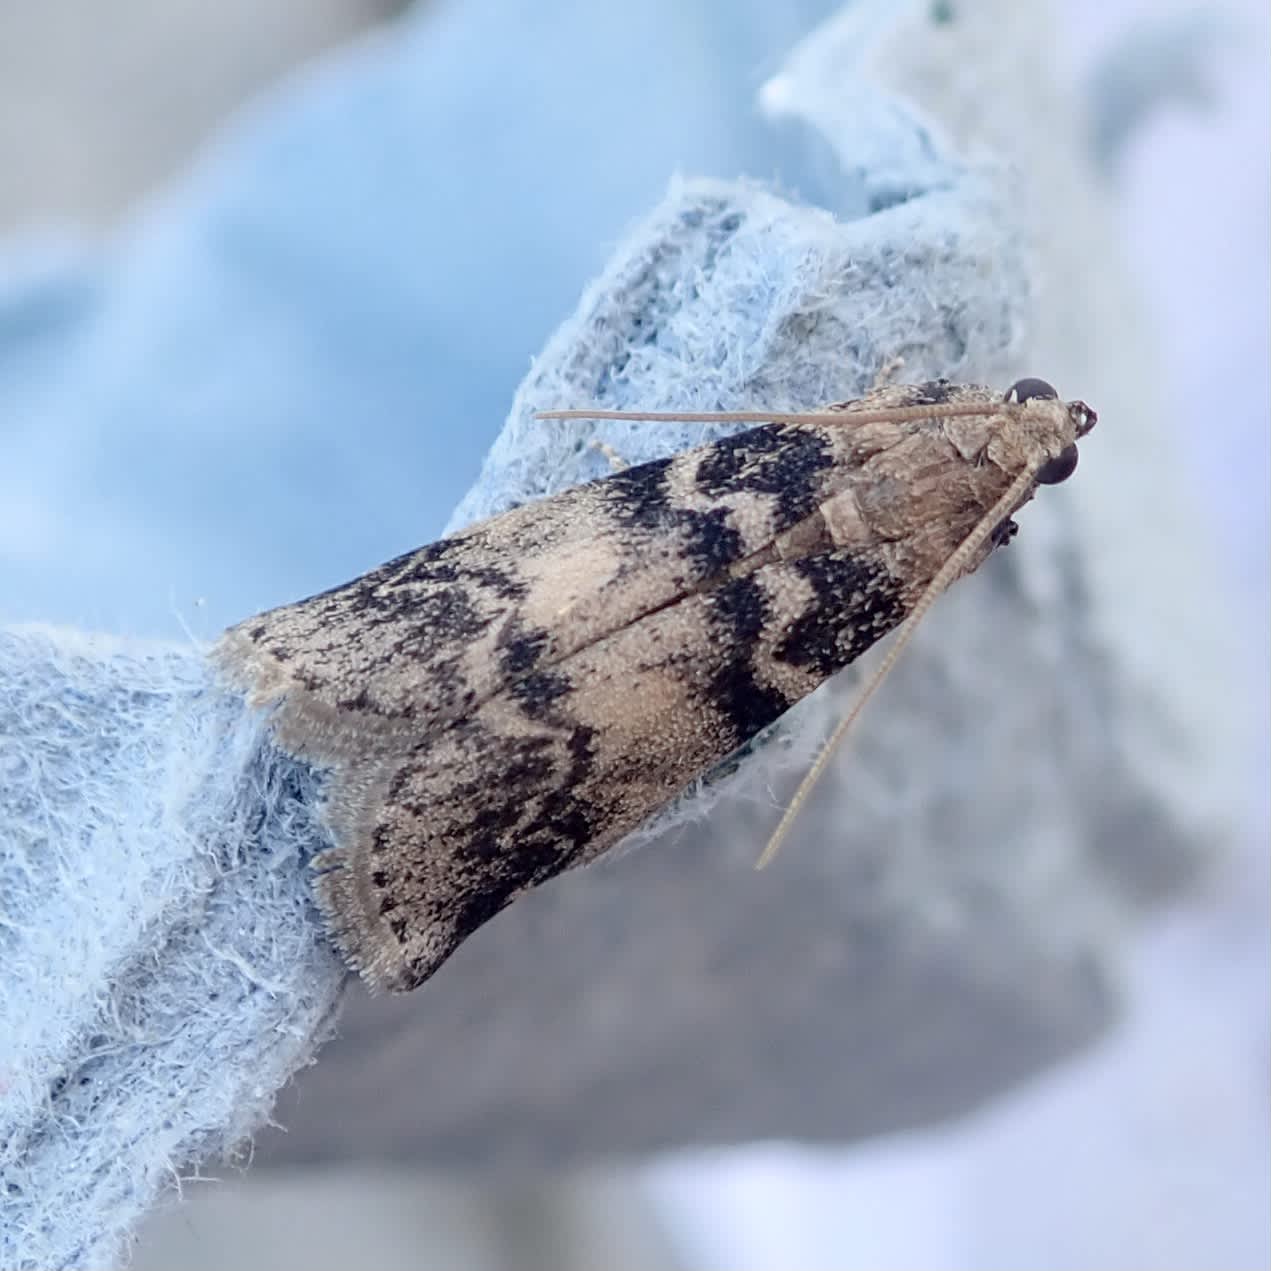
<point x="1047" y="431"/>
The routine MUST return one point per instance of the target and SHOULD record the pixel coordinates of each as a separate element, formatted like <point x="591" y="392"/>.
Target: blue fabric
<point x="201" y="408"/>
<point x="164" y="972"/>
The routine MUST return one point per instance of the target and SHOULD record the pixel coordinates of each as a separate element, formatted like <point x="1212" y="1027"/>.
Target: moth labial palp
<point x="508" y="703"/>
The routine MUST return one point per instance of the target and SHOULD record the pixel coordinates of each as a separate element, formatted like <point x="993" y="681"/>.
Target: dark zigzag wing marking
<point x="540" y="780"/>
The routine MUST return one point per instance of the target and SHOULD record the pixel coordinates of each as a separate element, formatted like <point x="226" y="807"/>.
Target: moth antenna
<point x="928" y="410"/>
<point x="946" y="574"/>
<point x="690" y="416"/>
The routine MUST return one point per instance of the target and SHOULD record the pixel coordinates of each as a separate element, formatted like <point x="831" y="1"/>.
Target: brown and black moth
<point x="513" y="700"/>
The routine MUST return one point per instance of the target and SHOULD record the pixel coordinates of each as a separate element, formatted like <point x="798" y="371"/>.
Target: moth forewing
<point x="953" y="568"/>
<point x="1028" y="434"/>
<point x="511" y="701"/>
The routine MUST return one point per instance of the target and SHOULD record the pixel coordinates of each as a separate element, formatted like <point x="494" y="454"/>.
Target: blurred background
<point x="111" y="117"/>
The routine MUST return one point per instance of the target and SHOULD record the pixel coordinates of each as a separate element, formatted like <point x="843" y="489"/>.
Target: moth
<point x="509" y="702"/>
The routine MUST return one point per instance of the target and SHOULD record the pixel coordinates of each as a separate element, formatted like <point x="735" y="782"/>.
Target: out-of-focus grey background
<point x="102" y="102"/>
<point x="1165" y="1127"/>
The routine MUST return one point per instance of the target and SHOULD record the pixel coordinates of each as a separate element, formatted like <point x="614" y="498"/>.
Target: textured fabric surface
<point x="163" y="972"/>
<point x="947" y="920"/>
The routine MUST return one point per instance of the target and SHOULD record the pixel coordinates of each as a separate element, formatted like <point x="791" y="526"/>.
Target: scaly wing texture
<point x="506" y="703"/>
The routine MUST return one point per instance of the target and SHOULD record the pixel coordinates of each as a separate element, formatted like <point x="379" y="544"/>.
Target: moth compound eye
<point x="1060" y="468"/>
<point x="1026" y="390"/>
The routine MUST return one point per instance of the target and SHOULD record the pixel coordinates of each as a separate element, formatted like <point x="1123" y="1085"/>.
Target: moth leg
<point x="887" y="373"/>
<point x="1004" y="532"/>
<point x="616" y="461"/>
